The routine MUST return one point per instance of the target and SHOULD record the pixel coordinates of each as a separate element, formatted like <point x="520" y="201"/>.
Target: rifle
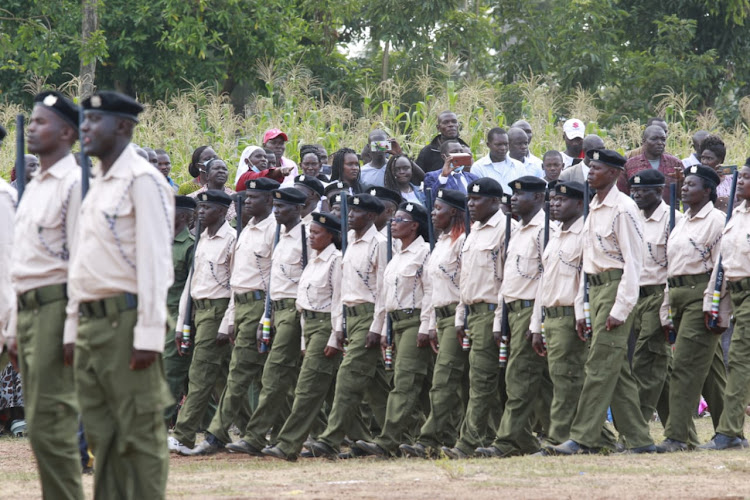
<point x="466" y="343"/>
<point x="546" y="240"/>
<point x="20" y="160"/>
<point x="266" y="331"/>
<point x="304" y="245"/>
<point x="85" y="167"/>
<point x="713" y="322"/>
<point x="238" y="202"/>
<point x="504" y="326"/>
<point x="588" y="330"/>
<point x="344" y="243"/>
<point x="430" y="229"/>
<point x="185" y="343"/>
<point x="389" y="321"/>
<point x="672" y="337"/>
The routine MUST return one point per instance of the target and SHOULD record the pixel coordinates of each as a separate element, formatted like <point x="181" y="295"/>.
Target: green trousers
<point x="447" y="392"/>
<point x="413" y="366"/>
<point x="315" y="380"/>
<point x="50" y="402"/>
<point x="566" y="357"/>
<point x="361" y="374"/>
<point x="609" y="381"/>
<point x="279" y="377"/>
<point x="484" y="373"/>
<point x="245" y="369"/>
<point x="694" y="355"/>
<point x="737" y="394"/>
<point x="523" y="382"/>
<point x="652" y="351"/>
<point x="207" y="370"/>
<point x="122" y="409"/>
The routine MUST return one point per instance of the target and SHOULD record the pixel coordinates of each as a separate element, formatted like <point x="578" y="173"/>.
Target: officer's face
<point x="99" y="131"/>
<point x="382" y="219"/>
<point x="645" y="197"/>
<point x="320" y="238"/>
<point x="285" y="213"/>
<point x="403" y="226"/>
<point x="693" y="192"/>
<point x="743" y="183"/>
<point x="442" y="215"/>
<point x="359" y="219"/>
<point x="210" y="213"/>
<point x="601" y="175"/>
<point x="255" y="203"/>
<point x="481" y="208"/>
<point x="46" y="130"/>
<point x="565" y="209"/>
<point x="522" y="203"/>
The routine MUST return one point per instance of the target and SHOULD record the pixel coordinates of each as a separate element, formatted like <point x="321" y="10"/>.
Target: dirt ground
<point x="680" y="475"/>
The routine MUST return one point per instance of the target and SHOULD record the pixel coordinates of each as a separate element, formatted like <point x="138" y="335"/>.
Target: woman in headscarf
<point x="254" y="164"/>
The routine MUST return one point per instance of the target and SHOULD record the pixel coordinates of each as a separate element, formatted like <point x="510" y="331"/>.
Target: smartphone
<point x="461" y="159"/>
<point x="727" y="169"/>
<point x="380" y="146"/>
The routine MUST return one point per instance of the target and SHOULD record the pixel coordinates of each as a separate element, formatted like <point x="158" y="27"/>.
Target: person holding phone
<point x="713" y="153"/>
<point x="453" y="174"/>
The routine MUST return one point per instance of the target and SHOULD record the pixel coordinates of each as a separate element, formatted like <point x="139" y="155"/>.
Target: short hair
<point x="655" y="119"/>
<point x="552" y="152"/>
<point x="160" y="152"/>
<point x="495" y="131"/>
<point x="445" y="145"/>
<point x="714" y="144"/>
<point x="446" y="112"/>
<point x="309" y="149"/>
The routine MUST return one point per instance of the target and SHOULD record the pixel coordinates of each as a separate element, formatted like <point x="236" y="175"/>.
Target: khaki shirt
<point x="363" y="266"/>
<point x="442" y="272"/>
<point x="8" y="197"/>
<point x="286" y="266"/>
<point x="735" y="258"/>
<point x="613" y="239"/>
<point x="560" y="279"/>
<point x="405" y="283"/>
<point x="655" y="236"/>
<point x="481" y="264"/>
<point x="320" y="285"/>
<point x="124" y="244"/>
<point x="523" y="265"/>
<point x="694" y="242"/>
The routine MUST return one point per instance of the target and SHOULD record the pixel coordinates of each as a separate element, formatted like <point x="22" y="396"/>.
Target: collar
<point x="702" y="213"/>
<point x="743" y="207"/>
<point x="414" y="247"/>
<point x="223" y="231"/>
<point x="60" y="169"/>
<point x="609" y="201"/>
<point x="262" y="224"/>
<point x="494" y="220"/>
<point x="574" y="228"/>
<point x="537" y="220"/>
<point x="184" y="236"/>
<point x="120" y="168"/>
<point x="660" y="212"/>
<point x="369" y="234"/>
<point x="327" y="253"/>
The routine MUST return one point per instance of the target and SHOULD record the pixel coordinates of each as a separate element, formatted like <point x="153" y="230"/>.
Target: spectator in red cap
<point x="275" y="140"/>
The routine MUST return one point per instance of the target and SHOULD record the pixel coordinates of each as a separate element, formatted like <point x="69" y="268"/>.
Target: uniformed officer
<point x="362" y="373"/>
<point x="177" y="364"/>
<point x="318" y="294"/>
<point x="652" y="354"/>
<point x="521" y="275"/>
<point x="612" y="258"/>
<point x="313" y="190"/>
<point x="391" y="200"/>
<point x="735" y="255"/>
<point x="210" y="291"/>
<point x="407" y="301"/>
<point x="482" y="261"/>
<point x="692" y="254"/>
<point x="251" y="271"/>
<point x="120" y="271"/>
<point x="449" y="391"/>
<point x="329" y="193"/>
<point x="45" y="229"/>
<point x="282" y="367"/>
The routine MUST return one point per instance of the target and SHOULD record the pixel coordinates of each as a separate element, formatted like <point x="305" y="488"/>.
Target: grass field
<point x="680" y="475"/>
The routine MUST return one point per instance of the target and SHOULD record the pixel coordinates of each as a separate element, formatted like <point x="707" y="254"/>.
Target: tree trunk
<point x="386" y="53"/>
<point x="90" y="25"/>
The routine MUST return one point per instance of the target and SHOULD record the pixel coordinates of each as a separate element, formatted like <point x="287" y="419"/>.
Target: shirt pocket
<point x="605" y="239"/>
<point x="570" y="263"/>
<point x="527" y="268"/>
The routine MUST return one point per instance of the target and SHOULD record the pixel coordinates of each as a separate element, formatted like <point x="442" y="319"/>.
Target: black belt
<point x="280" y="304"/>
<point x="605" y="277"/>
<point x="315" y="314"/>
<point x="98" y="308"/>
<point x="445" y="311"/>
<point x="41" y="296"/>
<point x="481" y="307"/>
<point x="208" y="303"/>
<point x="742" y="285"/>
<point x="559" y="311"/>
<point x="360" y="309"/>
<point x="688" y="280"/>
<point x="517" y="305"/>
<point x="404" y="314"/>
<point x="647" y="290"/>
<point x="251" y="296"/>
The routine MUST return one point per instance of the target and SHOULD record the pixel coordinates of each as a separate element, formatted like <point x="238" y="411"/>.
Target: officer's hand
<point x="612" y="323"/>
<point x="177" y="342"/>
<point x="498" y="336"/>
<point x="230" y="332"/>
<point x="372" y="340"/>
<point x="460" y="334"/>
<point x="330" y="352"/>
<point x="68" y="351"/>
<point x="717" y="330"/>
<point x="383" y="345"/>
<point x="528" y="335"/>
<point x="13" y="352"/>
<point x="581" y="329"/>
<point x="423" y="339"/>
<point x="140" y="360"/>
<point x="666" y="329"/>
<point x="340" y="340"/>
<point x="222" y="339"/>
<point x="433" y="340"/>
<point x="537" y="344"/>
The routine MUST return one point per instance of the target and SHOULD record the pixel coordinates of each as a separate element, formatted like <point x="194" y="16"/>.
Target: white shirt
<point x="504" y="172"/>
<point x="691" y="160"/>
<point x="371" y="176"/>
<point x="567" y="160"/>
<point x="533" y="166"/>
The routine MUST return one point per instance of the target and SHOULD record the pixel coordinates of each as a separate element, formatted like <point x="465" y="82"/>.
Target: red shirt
<point x="271" y="173"/>
<point x="668" y="164"/>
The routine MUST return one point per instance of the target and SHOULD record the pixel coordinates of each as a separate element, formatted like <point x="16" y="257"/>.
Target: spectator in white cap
<point x="573" y="132"/>
<point x="275" y="140"/>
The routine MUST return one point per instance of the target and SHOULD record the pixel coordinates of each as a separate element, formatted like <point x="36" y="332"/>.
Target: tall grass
<point x="293" y="101"/>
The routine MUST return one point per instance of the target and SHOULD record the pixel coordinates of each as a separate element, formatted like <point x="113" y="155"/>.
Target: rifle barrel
<point x="20" y="160"/>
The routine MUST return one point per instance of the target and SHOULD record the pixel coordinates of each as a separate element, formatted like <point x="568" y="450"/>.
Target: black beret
<point x="417" y="211"/>
<point x="385" y="194"/>
<point x="60" y="105"/>
<point x="648" y="177"/>
<point x="570" y="189"/>
<point x="485" y="187"/>
<point x="505" y="199"/>
<point x="335" y="185"/>
<point x="215" y="196"/>
<point x="3" y="133"/>
<point x="704" y="172"/>
<point x="328" y="221"/>
<point x="261" y="184"/>
<point x="311" y="182"/>
<point x="529" y="184"/>
<point x="608" y="157"/>
<point x="452" y="197"/>
<point x="115" y="103"/>
<point x="185" y="202"/>
<point x="366" y="203"/>
<point x="334" y="199"/>
<point x="292" y="196"/>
